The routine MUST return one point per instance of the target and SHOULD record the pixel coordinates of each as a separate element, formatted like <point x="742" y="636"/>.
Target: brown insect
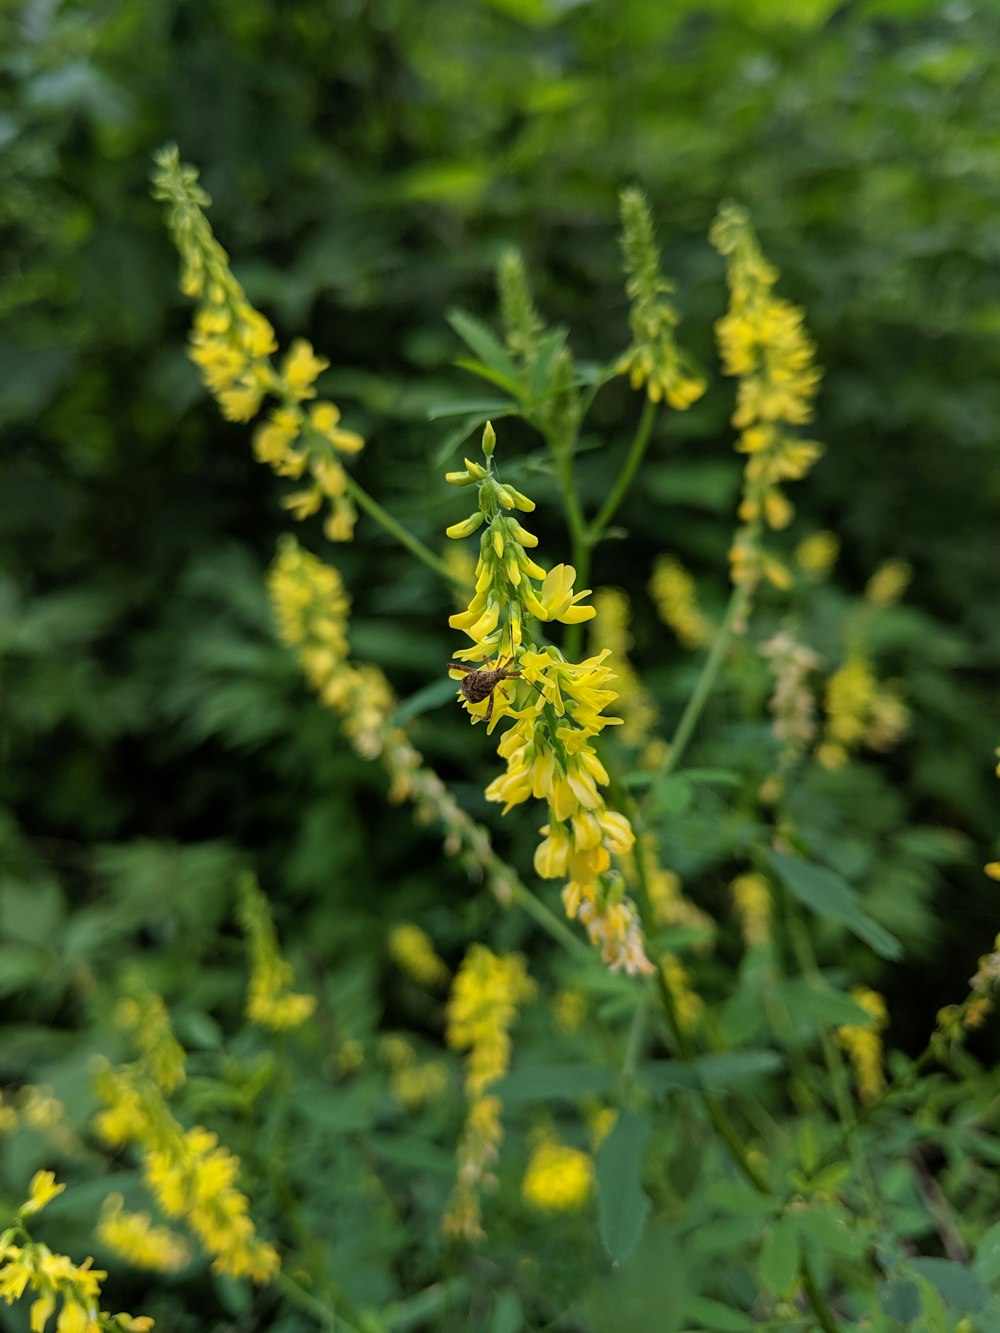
<point x="478" y="683"/>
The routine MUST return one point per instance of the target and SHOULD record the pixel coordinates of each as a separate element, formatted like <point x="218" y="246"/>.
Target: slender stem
<point x="816" y="1299"/>
<point x="625" y="477"/>
<point x="735" y="610"/>
<point x="326" y="1317"/>
<point x="548" y="920"/>
<point x="636" y="1037"/>
<point x="402" y="535"/>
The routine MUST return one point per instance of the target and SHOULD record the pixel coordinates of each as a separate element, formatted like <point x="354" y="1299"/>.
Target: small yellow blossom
<point x="135" y="1237"/>
<point x="688" y="1004"/>
<point x="412" y="950"/>
<point x="42" y="1190"/>
<point x="817" y="553"/>
<point x="887" y="585"/>
<point x="864" y="1044"/>
<point x="558" y="1179"/>
<point x="676" y="600"/>
<point x="754" y="908"/>
<point x="269" y="1002"/>
<point x="569" y="1008"/>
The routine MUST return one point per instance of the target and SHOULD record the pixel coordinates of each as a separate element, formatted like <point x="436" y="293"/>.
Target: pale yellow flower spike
<point x="412" y="950"/>
<point x="764" y="344"/>
<point x="676" y="599"/>
<point x="654" y="360"/>
<point x="232" y="345"/>
<point x="482" y="1008"/>
<point x="269" y="1002"/>
<point x="557" y="707"/>
<point x="863" y="1044"/>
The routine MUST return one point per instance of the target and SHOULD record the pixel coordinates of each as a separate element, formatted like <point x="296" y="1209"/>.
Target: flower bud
<point x="489" y="439"/>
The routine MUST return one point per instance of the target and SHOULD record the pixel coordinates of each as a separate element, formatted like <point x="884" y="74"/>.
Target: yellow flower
<point x="817" y="553"/>
<point x="232" y="345"/>
<point x="413" y="951"/>
<point x="676" y="599"/>
<point x="136" y="1238"/>
<point x="42" y="1190"/>
<point x="482" y="1008"/>
<point x="888" y="583"/>
<point x="609" y="632"/>
<point x="754" y="908"/>
<point x="269" y="1002"/>
<point x="558" y="1179"/>
<point x="763" y="344"/>
<point x="654" y="359"/>
<point x="863" y="1044"/>
<point x="301" y="367"/>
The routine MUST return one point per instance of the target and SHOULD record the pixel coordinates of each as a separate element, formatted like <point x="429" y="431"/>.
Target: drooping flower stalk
<point x="557" y="707"/>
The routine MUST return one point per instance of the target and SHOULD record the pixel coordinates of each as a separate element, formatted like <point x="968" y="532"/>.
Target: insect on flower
<point x="478" y="683"/>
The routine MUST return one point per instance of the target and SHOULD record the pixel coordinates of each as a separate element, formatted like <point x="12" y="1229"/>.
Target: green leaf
<point x="716" y="1316"/>
<point x="423" y="701"/>
<point x="779" y="1258"/>
<point x="830" y="1230"/>
<point x="623" y="1207"/>
<point x="959" y="1286"/>
<point x="829" y="894"/>
<point x="483" y="408"/>
<point x="715" y="1072"/>
<point x="900" y="1300"/>
<point x="987" y="1260"/>
<point x="490" y="351"/>
<point x="508" y="1314"/>
<point x="740" y="1198"/>
<point x="535" y="1083"/>
<point x="541" y="366"/>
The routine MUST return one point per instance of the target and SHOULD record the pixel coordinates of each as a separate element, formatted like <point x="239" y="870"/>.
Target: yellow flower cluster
<point x="653" y="359"/>
<point x="817" y="554"/>
<point x="413" y="1084"/>
<point x="863" y="1044"/>
<point x="763" y="343"/>
<point x="676" y="600"/>
<point x="26" y="1266"/>
<point x="33" y="1107"/>
<point x="887" y="585"/>
<point x="135" y="1237"/>
<point x="411" y="949"/>
<point x="557" y="707"/>
<point x="609" y="633"/>
<point x="482" y="1008"/>
<point x="189" y="1174"/>
<point x="859" y="711"/>
<point x="144" y="1015"/>
<point x="754" y="908"/>
<point x="269" y="1002"/>
<point x="232" y="346"/>
<point x="558" y="1178"/>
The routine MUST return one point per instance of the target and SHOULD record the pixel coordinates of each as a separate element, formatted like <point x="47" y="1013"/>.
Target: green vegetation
<point x="312" y="1034"/>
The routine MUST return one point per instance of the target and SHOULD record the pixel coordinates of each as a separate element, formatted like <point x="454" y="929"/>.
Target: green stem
<point x="395" y="529"/>
<point x="325" y="1317"/>
<point x="735" y="611"/>
<point x="636" y="1038"/>
<point x="549" y="922"/>
<point x="627" y="474"/>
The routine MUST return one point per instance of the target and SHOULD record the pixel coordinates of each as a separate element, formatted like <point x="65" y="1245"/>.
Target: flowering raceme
<point x="763" y="343"/>
<point x="269" y="1001"/>
<point x="482" y="1008"/>
<point x="232" y="346"/>
<point x="557" y="707"/>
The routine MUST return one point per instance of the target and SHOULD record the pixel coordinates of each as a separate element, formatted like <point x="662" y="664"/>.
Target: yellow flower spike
<point x="557" y="707"/>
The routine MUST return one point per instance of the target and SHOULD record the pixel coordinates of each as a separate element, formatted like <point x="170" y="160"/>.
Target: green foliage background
<point x="367" y="161"/>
